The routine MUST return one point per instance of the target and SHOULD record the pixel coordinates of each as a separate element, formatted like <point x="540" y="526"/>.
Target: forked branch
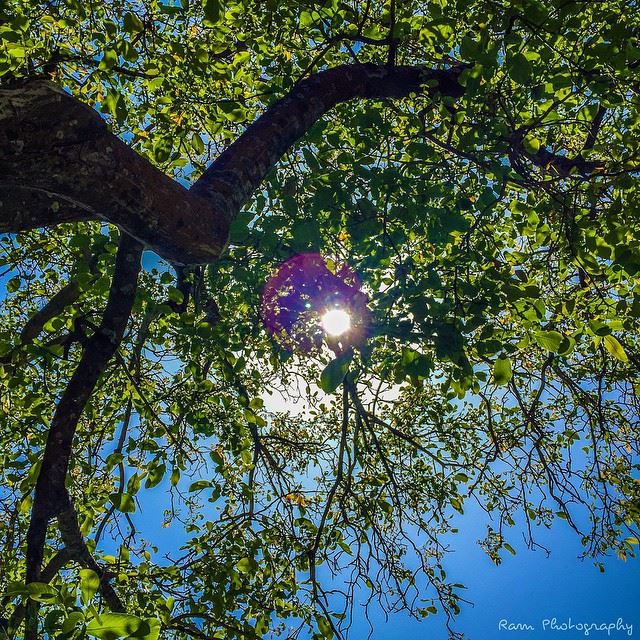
<point x="59" y="162"/>
<point x="51" y="496"/>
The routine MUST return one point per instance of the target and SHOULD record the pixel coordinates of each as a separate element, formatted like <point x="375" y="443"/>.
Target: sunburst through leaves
<point x="310" y="297"/>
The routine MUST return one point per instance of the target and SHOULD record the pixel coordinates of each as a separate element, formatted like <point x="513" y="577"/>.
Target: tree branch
<point x="240" y="169"/>
<point x="25" y="207"/>
<point x="51" y="497"/>
<point x="60" y="162"/>
<point x="74" y="542"/>
<point x="563" y="166"/>
<point x="559" y="165"/>
<point x="56" y="305"/>
<point x="58" y="560"/>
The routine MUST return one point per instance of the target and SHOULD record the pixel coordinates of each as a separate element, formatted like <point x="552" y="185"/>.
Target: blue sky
<point x="526" y="589"/>
<point x="529" y="588"/>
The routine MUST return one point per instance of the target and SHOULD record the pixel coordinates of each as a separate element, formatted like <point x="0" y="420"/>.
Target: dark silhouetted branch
<point x="59" y="162"/>
<point x="51" y="497"/>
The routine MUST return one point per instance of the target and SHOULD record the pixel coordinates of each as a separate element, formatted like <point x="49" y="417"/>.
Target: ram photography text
<point x="582" y="627"/>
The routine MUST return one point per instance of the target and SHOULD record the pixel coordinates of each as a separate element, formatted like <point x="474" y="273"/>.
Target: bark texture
<point x="51" y="497"/>
<point x="59" y="162"/>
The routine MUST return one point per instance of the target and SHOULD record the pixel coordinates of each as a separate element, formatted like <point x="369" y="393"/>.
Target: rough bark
<point x="58" y="158"/>
<point x="51" y="496"/>
<point x="59" y="162"/>
<point x="23" y="208"/>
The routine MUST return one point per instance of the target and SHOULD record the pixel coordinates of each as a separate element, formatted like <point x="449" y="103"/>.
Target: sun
<point x="335" y="322"/>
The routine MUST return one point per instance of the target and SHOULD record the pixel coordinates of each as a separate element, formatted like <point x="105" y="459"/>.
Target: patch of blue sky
<point x="527" y="588"/>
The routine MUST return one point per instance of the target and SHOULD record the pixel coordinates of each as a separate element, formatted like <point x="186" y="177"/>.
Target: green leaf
<point x="531" y="144"/>
<point x="199" y="485"/>
<point x="233" y="111"/>
<point x="239" y="231"/>
<point x="162" y="148"/>
<point x="89" y="584"/>
<point x="519" y="68"/>
<point x="123" y="502"/>
<point x="333" y="374"/>
<point x="16" y="589"/>
<point x="42" y="592"/>
<point x="212" y="10"/>
<point x="197" y="144"/>
<point x="244" y="565"/>
<point x="599" y="328"/>
<point x="154" y="629"/>
<point x="613" y="346"/>
<point x="566" y="346"/>
<point x="133" y="485"/>
<point x="72" y="620"/>
<point x="131" y="23"/>
<point x="175" y="295"/>
<point x="13" y="285"/>
<point x="114" y="104"/>
<point x="306" y="235"/>
<point x="415" y="363"/>
<point x="549" y="340"/>
<point x="324" y="627"/>
<point x="155" y="475"/>
<point x="109" y="60"/>
<point x="16" y="50"/>
<point x="502" y="371"/>
<point x="110" y="626"/>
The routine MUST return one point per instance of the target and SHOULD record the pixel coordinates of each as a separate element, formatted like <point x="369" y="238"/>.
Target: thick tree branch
<point x="23" y="207"/>
<point x="60" y="163"/>
<point x="59" y="559"/>
<point x="238" y="172"/>
<point x="51" y="496"/>
<point x="75" y="549"/>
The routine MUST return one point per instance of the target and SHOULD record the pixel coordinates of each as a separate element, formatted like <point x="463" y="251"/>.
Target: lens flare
<point x="335" y="322"/>
<point x="310" y="298"/>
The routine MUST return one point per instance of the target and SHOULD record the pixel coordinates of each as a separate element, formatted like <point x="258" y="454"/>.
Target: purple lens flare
<point x="305" y="301"/>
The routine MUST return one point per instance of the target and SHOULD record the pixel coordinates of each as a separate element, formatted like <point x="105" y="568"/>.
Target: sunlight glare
<point x="336" y="322"/>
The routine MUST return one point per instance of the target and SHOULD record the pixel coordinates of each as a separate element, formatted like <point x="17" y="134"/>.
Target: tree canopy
<point x="461" y="174"/>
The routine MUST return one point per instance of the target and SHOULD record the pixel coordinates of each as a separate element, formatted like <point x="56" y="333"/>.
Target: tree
<point x="475" y="163"/>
